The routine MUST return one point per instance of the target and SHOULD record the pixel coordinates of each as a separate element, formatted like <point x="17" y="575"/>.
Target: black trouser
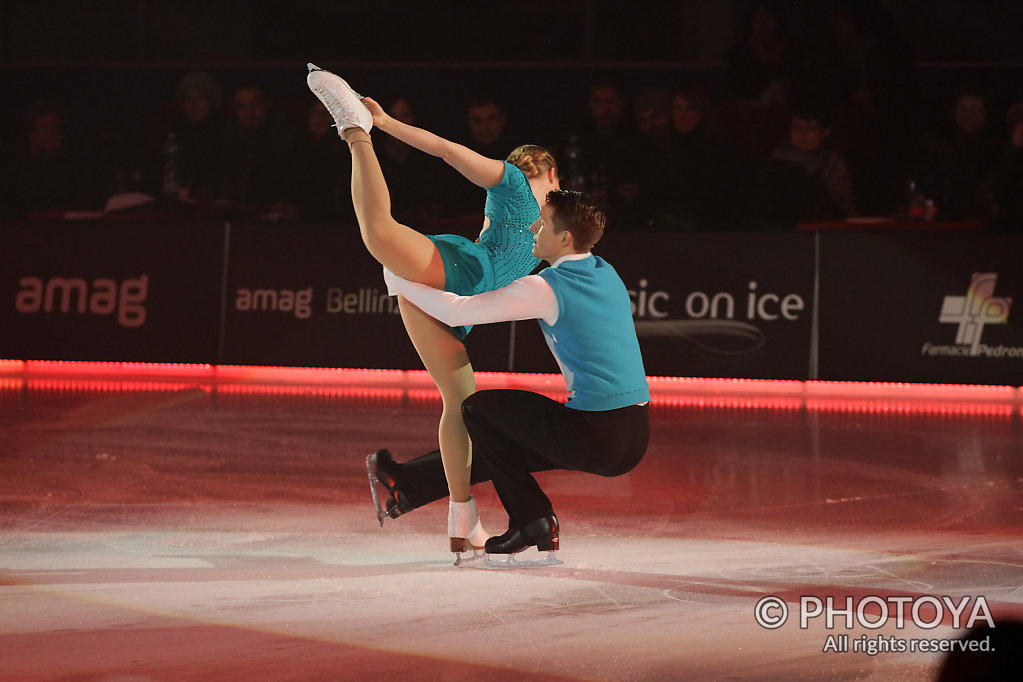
<point x="517" y="433"/>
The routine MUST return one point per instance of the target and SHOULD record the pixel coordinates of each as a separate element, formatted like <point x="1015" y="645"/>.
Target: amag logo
<point x="102" y="296"/>
<point x="972" y="313"/>
<point x="298" y="302"/>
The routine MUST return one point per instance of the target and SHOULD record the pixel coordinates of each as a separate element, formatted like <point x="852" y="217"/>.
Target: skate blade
<point x="463" y="560"/>
<point x="511" y="562"/>
<point x="373" y="480"/>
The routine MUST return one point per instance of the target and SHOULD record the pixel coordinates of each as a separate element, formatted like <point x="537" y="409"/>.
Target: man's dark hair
<point x="580" y="215"/>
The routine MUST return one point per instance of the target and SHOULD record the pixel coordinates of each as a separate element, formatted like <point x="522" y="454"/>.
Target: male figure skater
<point x="585" y="314"/>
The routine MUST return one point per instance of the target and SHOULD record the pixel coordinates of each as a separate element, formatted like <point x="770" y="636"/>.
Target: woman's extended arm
<point x="478" y="169"/>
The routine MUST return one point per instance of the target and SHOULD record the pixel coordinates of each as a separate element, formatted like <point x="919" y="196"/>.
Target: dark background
<point x="112" y="65"/>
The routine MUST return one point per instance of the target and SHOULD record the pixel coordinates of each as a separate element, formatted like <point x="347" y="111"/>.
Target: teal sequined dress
<point x="505" y="249"/>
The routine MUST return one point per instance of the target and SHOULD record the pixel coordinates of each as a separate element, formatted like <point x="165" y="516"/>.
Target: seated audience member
<point x="596" y="158"/>
<point x="760" y="65"/>
<point x="642" y="197"/>
<point x="707" y="172"/>
<point x="40" y="174"/>
<point x="1007" y="180"/>
<point x="486" y="132"/>
<point x="258" y="145"/>
<point x="802" y="181"/>
<point x="198" y="128"/>
<point x="600" y="142"/>
<point x="954" y="158"/>
<point x="879" y="79"/>
<point x="416" y="193"/>
<point x="321" y="168"/>
<point x="486" y="121"/>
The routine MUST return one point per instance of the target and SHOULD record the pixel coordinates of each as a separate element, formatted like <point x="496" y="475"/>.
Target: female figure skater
<point x="503" y="252"/>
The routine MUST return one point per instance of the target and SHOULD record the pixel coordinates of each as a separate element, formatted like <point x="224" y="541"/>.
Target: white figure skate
<point x="465" y="530"/>
<point x="343" y="103"/>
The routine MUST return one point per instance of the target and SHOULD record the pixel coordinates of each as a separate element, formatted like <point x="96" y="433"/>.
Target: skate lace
<point x="335" y="105"/>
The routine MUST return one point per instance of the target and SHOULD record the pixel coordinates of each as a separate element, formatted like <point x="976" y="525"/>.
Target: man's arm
<point x="527" y="298"/>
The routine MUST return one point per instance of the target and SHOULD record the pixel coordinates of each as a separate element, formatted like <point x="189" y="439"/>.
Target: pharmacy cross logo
<point x="974" y="310"/>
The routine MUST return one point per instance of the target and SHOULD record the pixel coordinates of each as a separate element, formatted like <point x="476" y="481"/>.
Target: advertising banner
<point x="934" y="307"/>
<point x="314" y="297"/>
<point x="921" y="308"/>
<point x="111" y="291"/>
<point x="709" y="305"/>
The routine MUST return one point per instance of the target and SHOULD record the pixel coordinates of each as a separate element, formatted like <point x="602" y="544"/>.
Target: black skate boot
<point x="541" y="533"/>
<point x="382" y="469"/>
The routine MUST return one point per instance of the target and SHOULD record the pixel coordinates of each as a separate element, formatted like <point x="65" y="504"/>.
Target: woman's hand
<point x="381" y="119"/>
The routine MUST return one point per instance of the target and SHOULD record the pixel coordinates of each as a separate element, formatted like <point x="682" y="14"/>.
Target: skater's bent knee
<point x="467" y="406"/>
<point x="474" y="407"/>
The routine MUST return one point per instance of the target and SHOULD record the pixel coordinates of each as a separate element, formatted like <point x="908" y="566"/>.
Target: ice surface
<point x="197" y="534"/>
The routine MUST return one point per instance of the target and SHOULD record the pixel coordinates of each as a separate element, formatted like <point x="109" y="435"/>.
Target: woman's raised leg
<point x="401" y="249"/>
<point x="411" y="255"/>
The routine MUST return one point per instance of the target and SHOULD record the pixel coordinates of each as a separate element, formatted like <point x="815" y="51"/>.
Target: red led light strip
<point x="417" y="387"/>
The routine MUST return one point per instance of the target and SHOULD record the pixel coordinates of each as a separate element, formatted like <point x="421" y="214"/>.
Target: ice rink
<point x="191" y="524"/>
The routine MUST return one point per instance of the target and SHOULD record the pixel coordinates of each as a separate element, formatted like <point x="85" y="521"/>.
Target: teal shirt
<point x="512" y="210"/>
<point x="505" y="249"/>
<point x="594" y="339"/>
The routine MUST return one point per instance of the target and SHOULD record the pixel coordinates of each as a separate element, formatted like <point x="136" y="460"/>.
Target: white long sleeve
<point x="527" y="298"/>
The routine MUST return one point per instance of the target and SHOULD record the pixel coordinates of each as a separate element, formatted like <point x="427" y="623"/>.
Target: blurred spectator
<point x="321" y="171"/>
<point x="198" y="128"/>
<point x="954" y="158"/>
<point x="487" y="121"/>
<point x="592" y="160"/>
<point x="803" y="180"/>
<point x="760" y="65"/>
<point x="1007" y="180"/>
<point x="486" y="132"/>
<point x="411" y="175"/>
<point x="652" y="110"/>
<point x="880" y="69"/>
<point x="878" y="79"/>
<point x="41" y="175"/>
<point x="644" y="195"/>
<point x="607" y="106"/>
<point x="708" y="175"/>
<point x="254" y="162"/>
<point x="759" y="71"/>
